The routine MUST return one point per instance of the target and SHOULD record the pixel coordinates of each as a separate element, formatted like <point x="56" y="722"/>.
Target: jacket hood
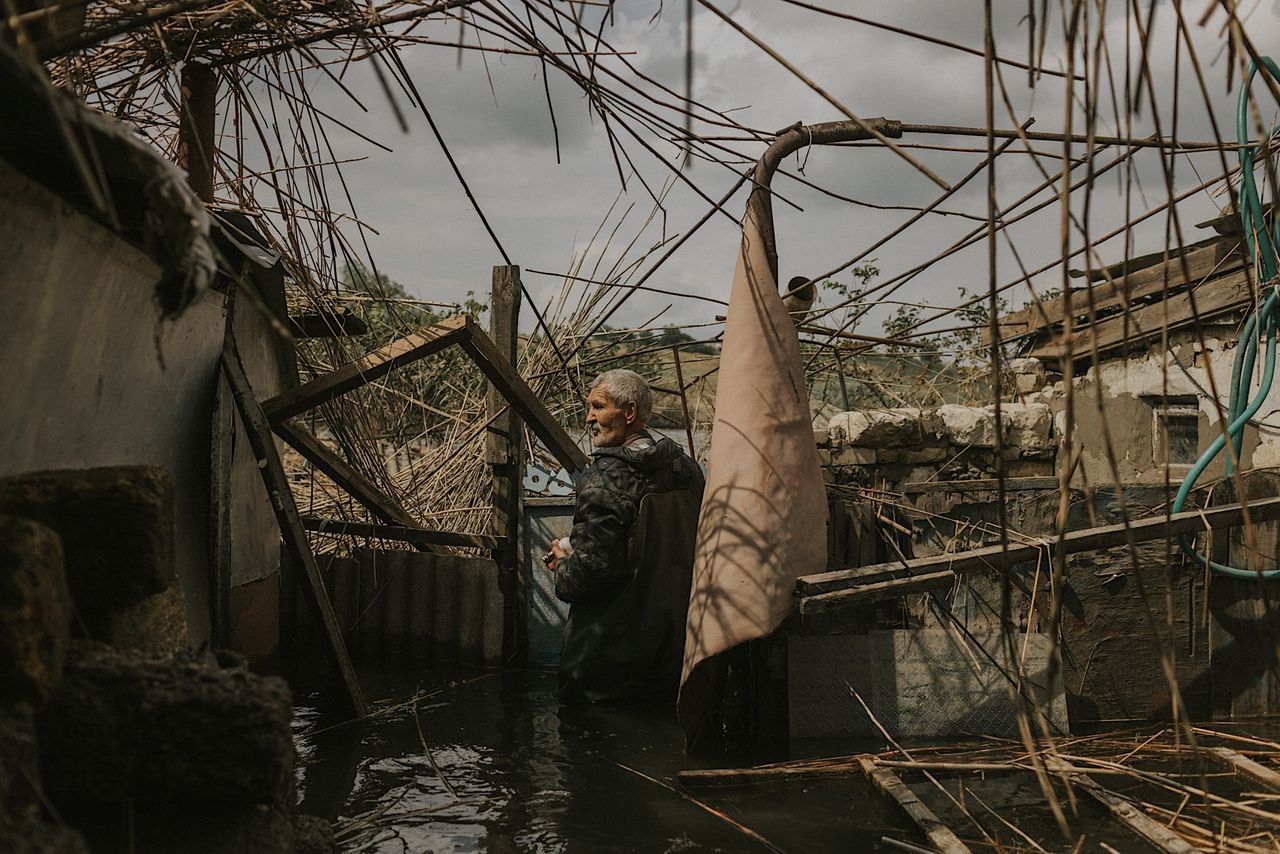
<point x="661" y="452"/>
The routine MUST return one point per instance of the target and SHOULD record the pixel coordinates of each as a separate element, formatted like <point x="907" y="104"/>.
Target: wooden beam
<point x="844" y="587"/>
<point x="375" y="365"/>
<point x="517" y="392"/>
<point x="196" y="140"/>
<point x="1245" y="767"/>
<point x="327" y="324"/>
<point x="987" y="484"/>
<point x="401" y="533"/>
<point x="887" y="783"/>
<point x="1123" y="811"/>
<point x="344" y="475"/>
<point x="504" y="452"/>
<point x="295" y="538"/>
<point x="1216" y="260"/>
<point x="1137" y="324"/>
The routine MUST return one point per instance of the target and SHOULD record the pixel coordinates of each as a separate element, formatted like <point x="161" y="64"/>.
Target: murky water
<point x="518" y="772"/>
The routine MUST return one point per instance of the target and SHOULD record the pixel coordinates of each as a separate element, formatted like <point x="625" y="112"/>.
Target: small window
<point x="1177" y="429"/>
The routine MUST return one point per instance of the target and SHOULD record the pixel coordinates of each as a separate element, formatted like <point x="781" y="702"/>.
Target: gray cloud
<point x="431" y="239"/>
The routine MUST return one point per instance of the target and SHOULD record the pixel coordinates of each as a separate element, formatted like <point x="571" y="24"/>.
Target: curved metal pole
<point x="790" y="140"/>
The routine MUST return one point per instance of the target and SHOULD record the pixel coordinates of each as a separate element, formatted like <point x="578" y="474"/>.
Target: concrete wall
<point x="92" y="376"/>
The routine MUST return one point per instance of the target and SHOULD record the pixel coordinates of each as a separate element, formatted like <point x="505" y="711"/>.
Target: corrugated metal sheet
<point x="438" y="607"/>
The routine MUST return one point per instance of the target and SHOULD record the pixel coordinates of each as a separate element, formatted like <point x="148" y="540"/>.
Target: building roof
<point x="1125" y="306"/>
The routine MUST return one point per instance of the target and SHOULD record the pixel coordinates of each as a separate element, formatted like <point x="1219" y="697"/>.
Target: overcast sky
<point x="494" y="117"/>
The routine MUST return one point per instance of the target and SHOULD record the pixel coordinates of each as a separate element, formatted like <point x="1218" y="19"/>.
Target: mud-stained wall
<point x="92" y="375"/>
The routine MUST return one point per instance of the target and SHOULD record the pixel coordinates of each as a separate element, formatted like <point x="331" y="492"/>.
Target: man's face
<point x="609" y="423"/>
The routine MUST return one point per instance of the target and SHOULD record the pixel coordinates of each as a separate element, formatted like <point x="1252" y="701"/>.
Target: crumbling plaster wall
<point x="1118" y="399"/>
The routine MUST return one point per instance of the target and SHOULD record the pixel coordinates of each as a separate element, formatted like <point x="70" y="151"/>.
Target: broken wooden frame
<point x="843" y="588"/>
<point x="429" y="340"/>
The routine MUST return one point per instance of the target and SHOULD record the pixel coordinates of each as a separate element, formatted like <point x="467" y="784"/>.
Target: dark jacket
<point x="617" y="627"/>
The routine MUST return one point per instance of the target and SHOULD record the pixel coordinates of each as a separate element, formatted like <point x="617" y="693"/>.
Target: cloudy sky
<point x="492" y="112"/>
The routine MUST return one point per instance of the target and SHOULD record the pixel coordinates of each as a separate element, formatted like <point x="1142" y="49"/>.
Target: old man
<point x="625" y="568"/>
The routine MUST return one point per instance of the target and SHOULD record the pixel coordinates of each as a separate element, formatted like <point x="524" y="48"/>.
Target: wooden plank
<point x="1255" y="772"/>
<point x="986" y="484"/>
<point x="935" y="569"/>
<point x="221" y="441"/>
<point x="517" y="392"/>
<point x="1123" y="811"/>
<point x="887" y="783"/>
<point x="344" y="475"/>
<point x="504" y="451"/>
<point x="1224" y="294"/>
<point x="401" y="533"/>
<point x="1142" y="264"/>
<point x="1217" y="259"/>
<point x="373" y="366"/>
<point x="295" y="538"/>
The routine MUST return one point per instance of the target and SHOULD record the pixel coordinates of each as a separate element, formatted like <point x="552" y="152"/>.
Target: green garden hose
<point x="1262" y="324"/>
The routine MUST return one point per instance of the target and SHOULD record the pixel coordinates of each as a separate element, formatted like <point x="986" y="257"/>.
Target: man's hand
<point x="557" y="553"/>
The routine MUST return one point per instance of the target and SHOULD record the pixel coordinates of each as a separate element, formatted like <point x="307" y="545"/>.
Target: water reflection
<point x="521" y="773"/>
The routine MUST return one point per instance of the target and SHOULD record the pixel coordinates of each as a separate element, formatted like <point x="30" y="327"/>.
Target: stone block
<point x="914" y="456"/>
<point x="968" y="426"/>
<point x="877" y="428"/>
<point x="155" y="626"/>
<point x="124" y="728"/>
<point x="191" y="827"/>
<point x="822" y="437"/>
<point x="313" y="835"/>
<point x="116" y="526"/>
<point x="848" y="456"/>
<point x="35" y="610"/>
<point x="1027" y="426"/>
<point x="1030" y="368"/>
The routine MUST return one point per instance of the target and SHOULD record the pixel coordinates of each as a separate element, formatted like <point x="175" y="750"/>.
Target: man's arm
<point x="602" y="519"/>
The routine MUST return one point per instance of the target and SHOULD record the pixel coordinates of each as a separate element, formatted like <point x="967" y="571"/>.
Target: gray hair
<point x="623" y="387"/>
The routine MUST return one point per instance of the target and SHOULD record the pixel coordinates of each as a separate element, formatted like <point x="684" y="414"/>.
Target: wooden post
<point x="196" y="145"/>
<point x="504" y="452"/>
<point x="684" y="403"/>
<point x="295" y="538"/>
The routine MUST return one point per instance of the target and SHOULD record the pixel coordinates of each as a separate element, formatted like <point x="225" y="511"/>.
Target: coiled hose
<point x="1260" y="244"/>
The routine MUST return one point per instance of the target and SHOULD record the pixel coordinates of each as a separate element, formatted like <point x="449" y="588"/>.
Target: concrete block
<point x="124" y="728"/>
<point x="877" y="428"/>
<point x="116" y="526"/>
<point x="968" y="426"/>
<point x="155" y="626"/>
<point x="919" y="683"/>
<point x="35" y="610"/>
<point x="19" y="768"/>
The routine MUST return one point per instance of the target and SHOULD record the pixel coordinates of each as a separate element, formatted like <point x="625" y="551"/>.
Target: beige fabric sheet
<point x="764" y="513"/>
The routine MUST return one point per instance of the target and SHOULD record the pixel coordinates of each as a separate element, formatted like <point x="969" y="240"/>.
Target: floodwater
<point x="507" y="769"/>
